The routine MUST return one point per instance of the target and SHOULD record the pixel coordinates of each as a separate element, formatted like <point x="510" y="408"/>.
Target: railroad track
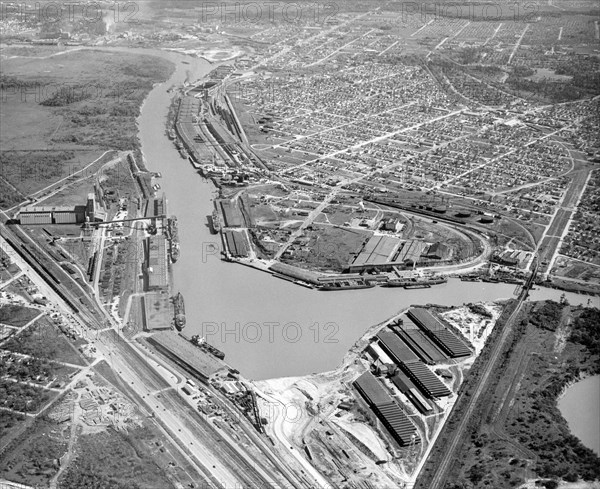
<point x="439" y="478"/>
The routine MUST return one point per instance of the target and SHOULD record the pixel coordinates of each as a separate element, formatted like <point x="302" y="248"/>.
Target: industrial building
<point x="410" y="363"/>
<point x="439" y="333"/>
<point x="194" y="360"/>
<point x="379" y="250"/>
<point x="438" y="251"/>
<point x="60" y="214"/>
<point x="237" y="243"/>
<point x="406" y="386"/>
<point x="416" y="339"/>
<point x="391" y="224"/>
<point x="425" y="380"/>
<point x="231" y="214"/>
<point x="156" y="265"/>
<point x="396" y="348"/>
<point x="378" y="354"/>
<point x="383" y="253"/>
<point x="386" y="409"/>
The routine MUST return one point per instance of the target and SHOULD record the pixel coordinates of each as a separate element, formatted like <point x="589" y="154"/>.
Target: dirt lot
<point x="328" y="248"/>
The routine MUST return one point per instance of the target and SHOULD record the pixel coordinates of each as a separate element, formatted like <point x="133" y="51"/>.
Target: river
<point x="266" y="326"/>
<point x="580" y="406"/>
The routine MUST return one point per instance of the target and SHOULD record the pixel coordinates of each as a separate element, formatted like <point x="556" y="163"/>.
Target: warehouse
<point x="156" y="267"/>
<point x="438" y="251"/>
<point x="195" y="361"/>
<point x="425" y="380"/>
<point x="437" y="331"/>
<point x="421" y="345"/>
<point x="231" y="214"/>
<point x="405" y="385"/>
<point x="396" y="348"/>
<point x="386" y="409"/>
<point x="411" y="251"/>
<point x="236" y="243"/>
<point x="383" y="253"/>
<point x="378" y="354"/>
<point x="53" y="215"/>
<point x="59" y="214"/>
<point x="377" y="251"/>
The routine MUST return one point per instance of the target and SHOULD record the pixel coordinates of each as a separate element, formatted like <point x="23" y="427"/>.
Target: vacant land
<point x="15" y="315"/>
<point x="23" y="397"/>
<point x="61" y="113"/>
<point x="30" y="171"/>
<point x="116" y="459"/>
<point x="32" y="458"/>
<point x="44" y="340"/>
<point x="327" y="248"/>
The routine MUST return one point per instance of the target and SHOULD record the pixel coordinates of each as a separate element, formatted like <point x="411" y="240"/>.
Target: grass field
<point x="30" y="171"/>
<point x="115" y="457"/>
<point x="44" y="340"/>
<point x="32" y="457"/>
<point x="15" y="315"/>
<point x="61" y="113"/>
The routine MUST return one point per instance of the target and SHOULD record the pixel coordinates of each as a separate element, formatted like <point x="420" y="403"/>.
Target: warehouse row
<point x="237" y="244"/>
<point x="409" y="363"/>
<point x="386" y="409"/>
<point x="194" y="360"/>
<point x="453" y="346"/>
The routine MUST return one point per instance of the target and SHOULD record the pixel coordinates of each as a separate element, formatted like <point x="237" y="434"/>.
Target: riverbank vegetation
<point x="516" y="432"/>
<point x="60" y="113"/>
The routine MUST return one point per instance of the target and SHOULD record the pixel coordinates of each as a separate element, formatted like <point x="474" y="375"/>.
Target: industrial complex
<point x="62" y="214"/>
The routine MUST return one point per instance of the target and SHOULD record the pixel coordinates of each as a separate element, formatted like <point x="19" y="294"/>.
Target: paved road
<point x="224" y="464"/>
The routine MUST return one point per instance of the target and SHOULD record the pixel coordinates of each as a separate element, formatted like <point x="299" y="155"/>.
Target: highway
<point x="223" y="463"/>
<point x="549" y="245"/>
<point x="450" y="450"/>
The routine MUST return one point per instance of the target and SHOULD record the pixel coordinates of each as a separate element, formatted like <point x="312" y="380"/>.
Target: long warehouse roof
<point x="434" y="327"/>
<point x="202" y="362"/>
<point x="393" y="345"/>
<point x="386" y="408"/>
<point x="426" y="380"/>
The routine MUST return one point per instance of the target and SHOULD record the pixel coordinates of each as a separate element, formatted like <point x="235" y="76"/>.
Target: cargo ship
<point x="173" y="235"/>
<point x="216" y="221"/>
<point x="414" y="283"/>
<point x="346" y="285"/>
<point x="203" y="345"/>
<point x="179" y="314"/>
